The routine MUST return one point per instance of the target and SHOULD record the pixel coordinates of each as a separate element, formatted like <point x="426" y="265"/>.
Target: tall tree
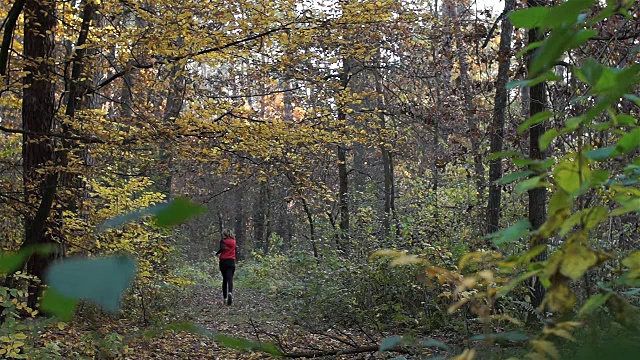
<point x="343" y="179"/>
<point x="496" y="130"/>
<point x="537" y="196"/>
<point x="37" y="120"/>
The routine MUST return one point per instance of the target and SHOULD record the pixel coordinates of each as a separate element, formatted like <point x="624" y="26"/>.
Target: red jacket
<point x="227" y="249"/>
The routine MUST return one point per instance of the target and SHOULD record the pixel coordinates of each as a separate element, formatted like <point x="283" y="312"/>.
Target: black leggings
<point x="227" y="268"/>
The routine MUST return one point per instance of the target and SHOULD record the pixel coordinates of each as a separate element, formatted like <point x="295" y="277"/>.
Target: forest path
<point x="253" y="317"/>
<point x="207" y="311"/>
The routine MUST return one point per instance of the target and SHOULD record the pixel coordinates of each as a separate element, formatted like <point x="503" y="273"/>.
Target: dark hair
<point x="227" y="233"/>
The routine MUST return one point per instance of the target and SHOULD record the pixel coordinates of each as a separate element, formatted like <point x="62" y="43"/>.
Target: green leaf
<point x="547" y="55"/>
<point x="435" y="343"/>
<point x="546" y="76"/>
<point x="504" y="290"/>
<point x="560" y="201"/>
<point x="514" y="176"/>
<point x="588" y="218"/>
<point x="625" y="120"/>
<point x="590" y="71"/>
<point x="571" y="172"/>
<point x="389" y="343"/>
<point x="632" y="292"/>
<point x="166" y="214"/>
<point x="633" y="98"/>
<point x="600" y="126"/>
<point x="606" y="80"/>
<point x="100" y="280"/>
<point x="545" y="140"/>
<point x="573" y="123"/>
<point x="178" y="211"/>
<point x="10" y="263"/>
<point x="57" y="304"/>
<point x="523" y="161"/>
<point x="243" y="344"/>
<point x="532" y="183"/>
<point x="566" y="13"/>
<point x="131" y="216"/>
<point x="512" y="233"/>
<point x="534" y="120"/>
<point x="581" y="37"/>
<point x="593" y="304"/>
<point x="628" y="203"/>
<point x="629" y="141"/>
<point x="504" y="336"/>
<point x="601" y="153"/>
<point x="529" y="18"/>
<point x="517" y="84"/>
<point x="532" y="46"/>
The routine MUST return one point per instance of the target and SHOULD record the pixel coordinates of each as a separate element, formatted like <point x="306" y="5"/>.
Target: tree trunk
<point x="258" y="217"/>
<point x="343" y="197"/>
<point x="175" y="98"/>
<point x="312" y="231"/>
<point x="239" y="223"/>
<point x="537" y="197"/>
<point x="387" y="162"/>
<point x="343" y="181"/>
<point x="497" y="127"/>
<point x="37" y="117"/>
<point x="76" y="89"/>
<point x="472" y="122"/>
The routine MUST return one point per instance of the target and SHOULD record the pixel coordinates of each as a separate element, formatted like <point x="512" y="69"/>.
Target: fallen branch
<point x="336" y="352"/>
<point x="315" y="354"/>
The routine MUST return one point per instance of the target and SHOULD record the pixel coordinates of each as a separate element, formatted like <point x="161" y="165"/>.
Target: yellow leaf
<point x="468" y="354"/>
<point x="560" y="297"/>
<point x="385" y="252"/>
<point x="559" y="332"/>
<point x="19" y="336"/>
<point x="536" y="356"/>
<point x="577" y="260"/>
<point x="546" y="347"/>
<point x="406" y="260"/>
<point x="633" y="263"/>
<point x="457" y="305"/>
<point x="553" y="264"/>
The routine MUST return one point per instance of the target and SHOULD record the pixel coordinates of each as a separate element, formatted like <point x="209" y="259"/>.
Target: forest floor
<point x="253" y="316"/>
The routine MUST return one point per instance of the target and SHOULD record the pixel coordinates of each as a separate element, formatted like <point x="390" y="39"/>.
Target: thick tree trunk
<point x="37" y="117"/>
<point x="497" y="126"/>
<point x="537" y="197"/>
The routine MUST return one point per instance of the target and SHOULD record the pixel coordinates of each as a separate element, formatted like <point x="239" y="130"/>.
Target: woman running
<point x="227" y="254"/>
